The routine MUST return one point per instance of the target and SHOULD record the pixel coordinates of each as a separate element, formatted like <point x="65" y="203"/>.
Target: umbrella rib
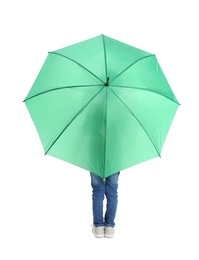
<point x="137" y="121"/>
<point x="77" y="64"/>
<point x="131" y="66"/>
<point x="58" y="88"/>
<point x="77" y="114"/>
<point x="105" y="147"/>
<point x="148" y="90"/>
<point x="105" y="59"/>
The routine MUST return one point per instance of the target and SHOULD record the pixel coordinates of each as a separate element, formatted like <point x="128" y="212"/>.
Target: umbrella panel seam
<point x="137" y="121"/>
<point x="148" y="90"/>
<point x="60" y="88"/>
<point x="105" y="60"/>
<point x="131" y="66"/>
<point x="76" y="115"/>
<point x="90" y="72"/>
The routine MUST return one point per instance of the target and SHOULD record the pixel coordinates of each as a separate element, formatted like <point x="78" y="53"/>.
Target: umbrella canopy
<point x="102" y="105"/>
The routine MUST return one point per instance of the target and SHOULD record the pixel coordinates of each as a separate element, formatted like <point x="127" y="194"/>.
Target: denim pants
<point x="100" y="189"/>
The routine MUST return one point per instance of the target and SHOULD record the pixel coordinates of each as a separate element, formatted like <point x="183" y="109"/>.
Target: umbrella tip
<point x="107" y="82"/>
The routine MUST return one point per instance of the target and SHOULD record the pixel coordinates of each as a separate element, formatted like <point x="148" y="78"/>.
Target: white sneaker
<point x="98" y="231"/>
<point x="109" y="231"/>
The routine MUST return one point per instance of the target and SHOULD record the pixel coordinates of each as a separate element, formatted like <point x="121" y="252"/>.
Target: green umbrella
<point x="102" y="105"/>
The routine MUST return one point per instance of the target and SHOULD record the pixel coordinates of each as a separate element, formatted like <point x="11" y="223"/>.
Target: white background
<point x="45" y="203"/>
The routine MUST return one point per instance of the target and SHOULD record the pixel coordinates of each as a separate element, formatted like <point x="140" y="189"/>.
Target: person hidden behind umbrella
<point x="103" y="224"/>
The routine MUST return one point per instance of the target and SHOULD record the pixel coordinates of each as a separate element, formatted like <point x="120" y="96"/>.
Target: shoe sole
<point x="108" y="236"/>
<point x="99" y="236"/>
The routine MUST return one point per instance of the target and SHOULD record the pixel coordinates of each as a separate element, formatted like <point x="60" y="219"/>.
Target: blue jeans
<point x="102" y="188"/>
